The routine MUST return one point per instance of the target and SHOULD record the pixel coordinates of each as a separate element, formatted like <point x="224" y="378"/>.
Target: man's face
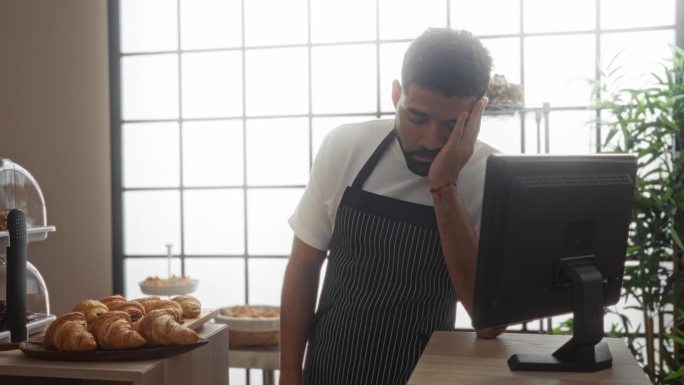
<point x="424" y="120"/>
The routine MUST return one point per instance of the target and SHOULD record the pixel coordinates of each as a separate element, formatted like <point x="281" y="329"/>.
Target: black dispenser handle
<point x="16" y="275"/>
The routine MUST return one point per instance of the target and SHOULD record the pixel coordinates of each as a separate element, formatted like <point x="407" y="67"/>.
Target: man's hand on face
<point x="455" y="154"/>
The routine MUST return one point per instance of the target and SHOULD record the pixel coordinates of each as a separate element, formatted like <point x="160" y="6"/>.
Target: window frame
<point x="116" y="121"/>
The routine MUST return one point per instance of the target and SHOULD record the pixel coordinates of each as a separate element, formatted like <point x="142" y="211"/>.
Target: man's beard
<point x="417" y="167"/>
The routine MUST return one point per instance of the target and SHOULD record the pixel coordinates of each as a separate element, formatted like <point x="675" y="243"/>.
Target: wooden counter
<point x="205" y="365"/>
<point x="462" y="358"/>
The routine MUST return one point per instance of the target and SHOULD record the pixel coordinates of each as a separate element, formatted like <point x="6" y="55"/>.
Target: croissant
<point x="69" y="332"/>
<point x="144" y="300"/>
<point x="113" y="330"/>
<point x="112" y="298"/>
<point x="161" y="328"/>
<point x="164" y="304"/>
<point x="134" y="309"/>
<point x="91" y="309"/>
<point x="191" y="306"/>
<point x="150" y="298"/>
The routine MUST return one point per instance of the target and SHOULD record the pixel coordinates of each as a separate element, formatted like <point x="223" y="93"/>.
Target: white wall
<point x="54" y="120"/>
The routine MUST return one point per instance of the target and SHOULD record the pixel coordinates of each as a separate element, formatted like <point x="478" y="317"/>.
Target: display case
<point x="19" y="190"/>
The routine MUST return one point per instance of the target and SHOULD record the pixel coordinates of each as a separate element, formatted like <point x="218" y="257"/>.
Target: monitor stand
<point x="584" y="352"/>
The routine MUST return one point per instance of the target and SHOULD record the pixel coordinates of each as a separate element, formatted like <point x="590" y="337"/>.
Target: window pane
<point x="391" y="57"/>
<point x="463" y="320"/>
<point x="572" y="132"/>
<point x="267" y="213"/>
<point x="148" y="25"/>
<point x="634" y="56"/>
<point x="221" y="280"/>
<point x="266" y="280"/>
<point x="626" y="307"/>
<point x="330" y="20"/>
<point x="214" y="222"/>
<point x="212" y="84"/>
<point x="212" y="153"/>
<point x="281" y="89"/>
<point x="406" y="19"/>
<point x="636" y="13"/>
<point x="277" y="151"/>
<point x="151" y="156"/>
<point x="480" y="18"/>
<point x="321" y="280"/>
<point x="344" y="79"/>
<point x="275" y="22"/>
<point x="618" y="139"/>
<point x="558" y="70"/>
<point x="502" y="132"/>
<point x="557" y="16"/>
<point x="322" y="126"/>
<point x="137" y="269"/>
<point x="237" y="376"/>
<point x="505" y="57"/>
<point x="534" y="132"/>
<point x="210" y="24"/>
<point x="149" y="87"/>
<point x="151" y="220"/>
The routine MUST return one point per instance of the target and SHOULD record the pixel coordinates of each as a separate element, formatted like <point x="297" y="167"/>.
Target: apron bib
<point x="386" y="289"/>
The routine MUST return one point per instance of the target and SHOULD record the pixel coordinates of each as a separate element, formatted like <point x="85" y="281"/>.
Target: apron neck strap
<point x="373" y="160"/>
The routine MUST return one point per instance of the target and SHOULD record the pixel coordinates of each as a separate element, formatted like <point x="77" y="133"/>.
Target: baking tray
<point x="148" y="352"/>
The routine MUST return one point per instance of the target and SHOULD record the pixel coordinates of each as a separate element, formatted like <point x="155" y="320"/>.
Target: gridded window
<point x="220" y="106"/>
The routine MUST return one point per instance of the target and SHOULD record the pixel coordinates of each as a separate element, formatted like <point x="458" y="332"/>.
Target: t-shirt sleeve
<point x="311" y="221"/>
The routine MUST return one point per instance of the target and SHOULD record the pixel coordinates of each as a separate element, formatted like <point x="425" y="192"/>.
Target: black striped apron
<point x="386" y="289"/>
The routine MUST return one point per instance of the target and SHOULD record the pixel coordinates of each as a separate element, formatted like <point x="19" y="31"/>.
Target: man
<point x="383" y="197"/>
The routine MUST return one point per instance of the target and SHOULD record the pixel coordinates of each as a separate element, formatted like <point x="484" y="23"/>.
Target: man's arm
<point x="459" y="243"/>
<point x="458" y="238"/>
<point x="300" y="289"/>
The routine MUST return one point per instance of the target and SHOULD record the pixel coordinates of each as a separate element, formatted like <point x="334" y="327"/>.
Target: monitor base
<point x="547" y="362"/>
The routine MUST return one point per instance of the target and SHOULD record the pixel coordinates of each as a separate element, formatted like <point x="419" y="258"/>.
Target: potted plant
<point x="649" y="123"/>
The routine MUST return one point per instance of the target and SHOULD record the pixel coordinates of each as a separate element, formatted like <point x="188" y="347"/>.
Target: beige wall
<point x="54" y="120"/>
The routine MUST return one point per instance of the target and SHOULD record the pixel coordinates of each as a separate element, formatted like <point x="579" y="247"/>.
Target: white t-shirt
<point x="341" y="156"/>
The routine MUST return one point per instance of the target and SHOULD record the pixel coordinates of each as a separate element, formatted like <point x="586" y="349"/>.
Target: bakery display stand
<point x="170" y="287"/>
<point x="24" y="300"/>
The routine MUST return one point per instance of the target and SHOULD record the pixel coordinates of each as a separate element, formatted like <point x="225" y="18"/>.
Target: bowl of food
<point x="251" y="325"/>
<point x="153" y="285"/>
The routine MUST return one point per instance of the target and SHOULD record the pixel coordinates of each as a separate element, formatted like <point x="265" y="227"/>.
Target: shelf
<point x="32" y="327"/>
<point x="34" y="234"/>
<point x="503" y="109"/>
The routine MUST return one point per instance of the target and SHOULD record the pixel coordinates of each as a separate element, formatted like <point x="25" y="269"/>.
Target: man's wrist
<point x="439" y="189"/>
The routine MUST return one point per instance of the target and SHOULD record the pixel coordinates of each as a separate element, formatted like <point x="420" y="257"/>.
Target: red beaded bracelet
<point x="437" y="190"/>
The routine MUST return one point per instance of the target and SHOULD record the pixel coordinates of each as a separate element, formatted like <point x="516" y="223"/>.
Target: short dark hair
<point x="451" y="62"/>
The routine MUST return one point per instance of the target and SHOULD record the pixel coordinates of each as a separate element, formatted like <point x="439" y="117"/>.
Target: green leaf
<point x="676" y="339"/>
<point x="675" y="375"/>
<point x="677" y="239"/>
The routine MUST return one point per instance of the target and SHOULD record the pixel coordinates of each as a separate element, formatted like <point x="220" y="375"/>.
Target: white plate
<point x="169" y="289"/>
<point x="248" y="324"/>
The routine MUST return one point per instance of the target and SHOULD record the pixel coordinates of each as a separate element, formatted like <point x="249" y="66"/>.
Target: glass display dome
<point x="37" y="299"/>
<point x="19" y="190"/>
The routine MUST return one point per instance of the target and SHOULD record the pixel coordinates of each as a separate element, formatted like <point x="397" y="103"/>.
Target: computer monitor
<point x="553" y="240"/>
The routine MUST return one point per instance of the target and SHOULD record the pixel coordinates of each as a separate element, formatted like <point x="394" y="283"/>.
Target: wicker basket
<point x="251" y="332"/>
<point x="237" y="338"/>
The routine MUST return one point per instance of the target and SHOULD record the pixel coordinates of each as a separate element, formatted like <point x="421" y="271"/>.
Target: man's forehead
<point x="429" y="102"/>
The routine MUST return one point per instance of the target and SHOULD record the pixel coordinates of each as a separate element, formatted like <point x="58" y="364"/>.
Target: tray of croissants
<point x="117" y="329"/>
